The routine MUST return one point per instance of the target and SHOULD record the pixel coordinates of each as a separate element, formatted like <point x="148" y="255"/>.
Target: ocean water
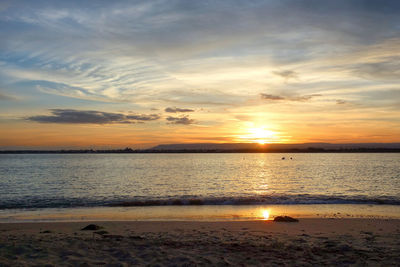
<point x="40" y="181"/>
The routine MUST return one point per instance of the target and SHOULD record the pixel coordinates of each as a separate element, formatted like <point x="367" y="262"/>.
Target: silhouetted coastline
<point x="155" y="151"/>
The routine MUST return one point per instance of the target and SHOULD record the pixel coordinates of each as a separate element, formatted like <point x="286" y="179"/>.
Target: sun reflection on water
<point x="265" y="214"/>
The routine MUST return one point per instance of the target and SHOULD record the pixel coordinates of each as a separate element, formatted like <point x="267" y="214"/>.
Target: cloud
<point x="175" y="110"/>
<point x="296" y="98"/>
<point x="287" y="74"/>
<point x="271" y="97"/>
<point x="150" y="117"/>
<point x="384" y="70"/>
<point x="133" y="50"/>
<point x="6" y="97"/>
<point x="201" y="97"/>
<point x="180" y="120"/>
<point x="304" y="98"/>
<point x="90" y="117"/>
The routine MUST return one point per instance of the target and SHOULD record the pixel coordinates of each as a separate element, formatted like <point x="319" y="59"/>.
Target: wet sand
<point x="310" y="242"/>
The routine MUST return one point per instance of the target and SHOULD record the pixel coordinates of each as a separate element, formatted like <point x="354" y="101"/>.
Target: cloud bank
<point x="90" y="117"/>
<point x="185" y="120"/>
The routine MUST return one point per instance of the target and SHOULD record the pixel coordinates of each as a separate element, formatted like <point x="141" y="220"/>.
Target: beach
<point x="309" y="242"/>
<point x="200" y="209"/>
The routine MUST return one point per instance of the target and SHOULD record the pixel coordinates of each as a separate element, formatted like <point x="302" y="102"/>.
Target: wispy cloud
<point x="143" y="117"/>
<point x="387" y="70"/>
<point x="287" y="74"/>
<point x="7" y="97"/>
<point x="271" y="97"/>
<point x="176" y="110"/>
<point x="143" y="62"/>
<point x="290" y="98"/>
<point x="90" y="117"/>
<point x="340" y="101"/>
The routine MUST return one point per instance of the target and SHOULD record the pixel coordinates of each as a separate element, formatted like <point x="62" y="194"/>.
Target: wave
<point x="265" y="200"/>
<point x="54" y="202"/>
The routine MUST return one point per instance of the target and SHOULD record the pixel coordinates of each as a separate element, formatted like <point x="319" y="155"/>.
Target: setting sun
<point x="260" y="135"/>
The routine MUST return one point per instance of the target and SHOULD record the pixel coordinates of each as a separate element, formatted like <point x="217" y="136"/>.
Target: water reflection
<point x="265" y="214"/>
<point x="202" y="213"/>
<point x="69" y="180"/>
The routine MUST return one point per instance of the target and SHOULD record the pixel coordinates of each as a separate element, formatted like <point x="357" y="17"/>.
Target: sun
<point x="261" y="135"/>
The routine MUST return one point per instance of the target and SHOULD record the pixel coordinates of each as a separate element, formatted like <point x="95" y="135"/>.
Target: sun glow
<point x="260" y="135"/>
<point x="265" y="214"/>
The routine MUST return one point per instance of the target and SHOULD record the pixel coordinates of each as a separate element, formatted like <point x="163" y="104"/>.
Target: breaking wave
<point x="299" y="199"/>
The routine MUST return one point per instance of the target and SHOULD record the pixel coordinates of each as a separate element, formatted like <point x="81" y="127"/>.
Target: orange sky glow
<point x="141" y="74"/>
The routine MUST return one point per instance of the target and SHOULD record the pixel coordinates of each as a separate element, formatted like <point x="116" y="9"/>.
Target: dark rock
<point x="285" y="219"/>
<point x="91" y="227"/>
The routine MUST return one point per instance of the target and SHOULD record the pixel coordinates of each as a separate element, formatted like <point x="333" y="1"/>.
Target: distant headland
<point x="234" y="148"/>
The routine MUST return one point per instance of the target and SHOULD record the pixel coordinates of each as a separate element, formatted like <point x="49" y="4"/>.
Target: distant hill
<point x="233" y="148"/>
<point x="267" y="147"/>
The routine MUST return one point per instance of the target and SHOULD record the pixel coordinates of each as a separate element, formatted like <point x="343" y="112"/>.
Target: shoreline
<point x="309" y="242"/>
<point x="200" y="213"/>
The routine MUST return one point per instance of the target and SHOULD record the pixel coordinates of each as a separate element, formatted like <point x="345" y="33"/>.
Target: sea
<point x="198" y="186"/>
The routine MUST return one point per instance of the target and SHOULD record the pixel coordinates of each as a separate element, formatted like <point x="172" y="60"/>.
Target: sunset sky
<point x="104" y="74"/>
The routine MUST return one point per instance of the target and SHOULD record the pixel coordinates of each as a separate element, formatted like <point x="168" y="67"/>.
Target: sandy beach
<point x="310" y="242"/>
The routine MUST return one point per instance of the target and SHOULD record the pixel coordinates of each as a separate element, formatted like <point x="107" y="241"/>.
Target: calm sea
<point x="120" y="180"/>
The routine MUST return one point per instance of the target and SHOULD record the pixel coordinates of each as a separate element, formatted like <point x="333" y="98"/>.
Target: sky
<point x="110" y="74"/>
